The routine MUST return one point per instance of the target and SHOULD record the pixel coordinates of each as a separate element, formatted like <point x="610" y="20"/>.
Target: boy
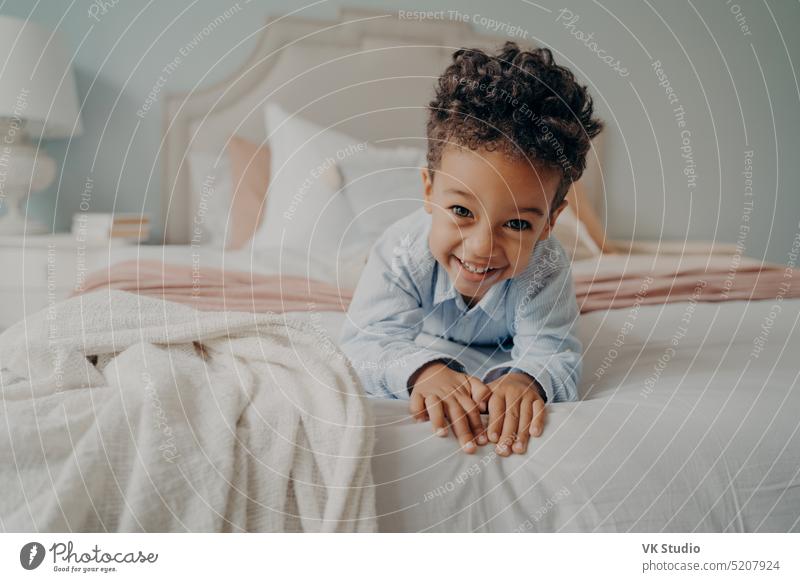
<point x="450" y="289"/>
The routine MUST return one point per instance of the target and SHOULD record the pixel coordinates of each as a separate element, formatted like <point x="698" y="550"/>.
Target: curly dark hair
<point x="518" y="101"/>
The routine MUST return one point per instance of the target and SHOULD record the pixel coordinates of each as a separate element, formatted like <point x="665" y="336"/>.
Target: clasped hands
<point x="448" y="397"/>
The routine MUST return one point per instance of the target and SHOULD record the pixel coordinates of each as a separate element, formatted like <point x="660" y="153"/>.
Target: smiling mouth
<point x="476" y="269"/>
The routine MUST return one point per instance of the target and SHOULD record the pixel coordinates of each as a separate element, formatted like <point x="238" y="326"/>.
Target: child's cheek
<point x="438" y="243"/>
<point x="519" y="257"/>
<point x="446" y="233"/>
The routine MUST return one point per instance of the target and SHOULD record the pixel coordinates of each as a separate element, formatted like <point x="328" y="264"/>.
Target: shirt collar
<point x="492" y="304"/>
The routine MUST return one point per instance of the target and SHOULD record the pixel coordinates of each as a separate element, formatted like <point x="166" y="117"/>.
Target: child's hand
<point x="516" y="411"/>
<point x="441" y="394"/>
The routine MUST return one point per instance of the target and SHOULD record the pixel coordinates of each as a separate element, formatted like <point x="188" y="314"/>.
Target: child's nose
<point x="481" y="245"/>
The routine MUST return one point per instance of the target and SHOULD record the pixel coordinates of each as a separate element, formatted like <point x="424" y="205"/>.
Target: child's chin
<point x="476" y="290"/>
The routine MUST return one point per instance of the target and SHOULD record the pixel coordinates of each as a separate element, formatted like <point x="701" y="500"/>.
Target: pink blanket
<point x="209" y="289"/>
<point x="610" y="282"/>
<point x="620" y="281"/>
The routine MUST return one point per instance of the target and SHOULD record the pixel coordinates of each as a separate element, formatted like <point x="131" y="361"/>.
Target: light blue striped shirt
<point x="403" y="292"/>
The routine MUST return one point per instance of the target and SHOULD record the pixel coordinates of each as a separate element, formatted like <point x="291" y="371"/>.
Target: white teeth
<point x="473" y="269"/>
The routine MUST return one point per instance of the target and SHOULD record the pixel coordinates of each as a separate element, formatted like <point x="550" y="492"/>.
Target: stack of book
<point x="97" y="226"/>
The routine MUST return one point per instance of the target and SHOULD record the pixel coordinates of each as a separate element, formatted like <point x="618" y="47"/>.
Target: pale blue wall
<point x="118" y="59"/>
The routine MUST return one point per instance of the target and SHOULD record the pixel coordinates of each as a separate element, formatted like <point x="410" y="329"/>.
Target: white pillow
<point x="382" y="185"/>
<point x="303" y="210"/>
<point x="211" y="187"/>
<point x="325" y="194"/>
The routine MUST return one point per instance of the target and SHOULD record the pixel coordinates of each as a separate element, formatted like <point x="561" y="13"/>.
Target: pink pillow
<point x="250" y="167"/>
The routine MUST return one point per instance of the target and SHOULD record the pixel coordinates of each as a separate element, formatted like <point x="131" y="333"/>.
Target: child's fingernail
<point x="493" y="437"/>
<point x="502" y="448"/>
<point x="482" y="439"/>
<point x="518" y="447"/>
<point x="441" y="432"/>
<point x="469" y="446"/>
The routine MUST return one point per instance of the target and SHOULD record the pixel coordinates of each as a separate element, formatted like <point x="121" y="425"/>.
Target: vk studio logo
<point x="31" y="555"/>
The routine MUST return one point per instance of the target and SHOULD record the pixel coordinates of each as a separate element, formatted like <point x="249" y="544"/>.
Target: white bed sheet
<point x="713" y="445"/>
<point x="704" y="438"/>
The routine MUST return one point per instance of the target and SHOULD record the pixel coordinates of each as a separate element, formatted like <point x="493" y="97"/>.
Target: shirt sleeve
<point x="382" y="323"/>
<point x="546" y="346"/>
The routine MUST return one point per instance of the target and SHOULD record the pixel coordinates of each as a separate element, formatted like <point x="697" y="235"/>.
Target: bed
<point x="682" y="426"/>
<point x="702" y="439"/>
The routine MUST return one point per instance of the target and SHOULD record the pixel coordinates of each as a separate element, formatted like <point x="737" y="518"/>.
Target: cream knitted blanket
<point x="126" y="413"/>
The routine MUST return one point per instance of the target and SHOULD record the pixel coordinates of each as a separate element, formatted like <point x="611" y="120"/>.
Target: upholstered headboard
<point x="367" y="73"/>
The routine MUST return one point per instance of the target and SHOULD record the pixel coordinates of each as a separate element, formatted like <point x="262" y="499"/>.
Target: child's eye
<point x="460" y="211"/>
<point x="517" y="224"/>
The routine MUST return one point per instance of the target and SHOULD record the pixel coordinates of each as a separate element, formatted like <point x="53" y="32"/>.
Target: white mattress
<point x="706" y="440"/>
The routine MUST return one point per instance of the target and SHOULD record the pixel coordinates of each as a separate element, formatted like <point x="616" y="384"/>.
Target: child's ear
<point x="427" y="189"/>
<point x="551" y="222"/>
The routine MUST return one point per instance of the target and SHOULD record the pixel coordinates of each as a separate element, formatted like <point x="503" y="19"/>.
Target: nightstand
<point x="39" y="270"/>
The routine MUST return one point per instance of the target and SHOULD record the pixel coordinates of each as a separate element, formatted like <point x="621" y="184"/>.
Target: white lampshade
<point x="36" y="80"/>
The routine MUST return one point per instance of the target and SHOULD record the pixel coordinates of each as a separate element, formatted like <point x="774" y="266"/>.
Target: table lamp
<point x="37" y="101"/>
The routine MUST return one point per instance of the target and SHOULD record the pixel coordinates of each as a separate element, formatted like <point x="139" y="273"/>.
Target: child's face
<point x="488" y="212"/>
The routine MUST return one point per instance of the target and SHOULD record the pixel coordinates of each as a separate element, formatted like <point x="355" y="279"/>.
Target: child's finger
<point x="539" y="414"/>
<point x="436" y="414"/>
<point x="458" y="420"/>
<point x="497" y="407"/>
<point x="525" y="417"/>
<point x="510" y="427"/>
<point x="473" y="417"/>
<point x="480" y="392"/>
<point x="416" y="406"/>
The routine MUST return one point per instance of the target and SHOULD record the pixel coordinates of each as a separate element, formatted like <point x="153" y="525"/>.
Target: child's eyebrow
<point x="534" y="210"/>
